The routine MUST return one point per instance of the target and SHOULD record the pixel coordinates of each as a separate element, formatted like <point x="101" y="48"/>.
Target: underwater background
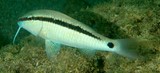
<point x="115" y="19"/>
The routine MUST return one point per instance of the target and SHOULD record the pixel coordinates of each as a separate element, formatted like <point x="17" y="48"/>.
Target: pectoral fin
<point x="52" y="49"/>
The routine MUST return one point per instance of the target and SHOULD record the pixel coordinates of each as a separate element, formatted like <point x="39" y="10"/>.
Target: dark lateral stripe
<point x="61" y="23"/>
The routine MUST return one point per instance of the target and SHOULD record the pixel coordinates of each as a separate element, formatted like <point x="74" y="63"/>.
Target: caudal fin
<point x="126" y="47"/>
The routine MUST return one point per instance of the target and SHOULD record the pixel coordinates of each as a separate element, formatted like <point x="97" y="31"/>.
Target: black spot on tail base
<point x="110" y="44"/>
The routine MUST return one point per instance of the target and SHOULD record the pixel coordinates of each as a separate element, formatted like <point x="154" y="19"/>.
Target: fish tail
<point x="126" y="47"/>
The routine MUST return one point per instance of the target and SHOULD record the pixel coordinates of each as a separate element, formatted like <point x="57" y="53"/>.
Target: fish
<point x="59" y="29"/>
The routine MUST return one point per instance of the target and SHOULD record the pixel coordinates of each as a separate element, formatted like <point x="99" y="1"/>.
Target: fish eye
<point x="110" y="44"/>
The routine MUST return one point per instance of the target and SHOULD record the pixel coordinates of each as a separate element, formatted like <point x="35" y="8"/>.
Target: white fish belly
<point x="70" y="37"/>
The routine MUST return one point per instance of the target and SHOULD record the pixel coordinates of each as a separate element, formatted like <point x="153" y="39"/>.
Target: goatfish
<point x="59" y="29"/>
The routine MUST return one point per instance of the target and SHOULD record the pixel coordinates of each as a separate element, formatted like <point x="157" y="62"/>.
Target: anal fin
<point x="88" y="52"/>
<point x="51" y="48"/>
